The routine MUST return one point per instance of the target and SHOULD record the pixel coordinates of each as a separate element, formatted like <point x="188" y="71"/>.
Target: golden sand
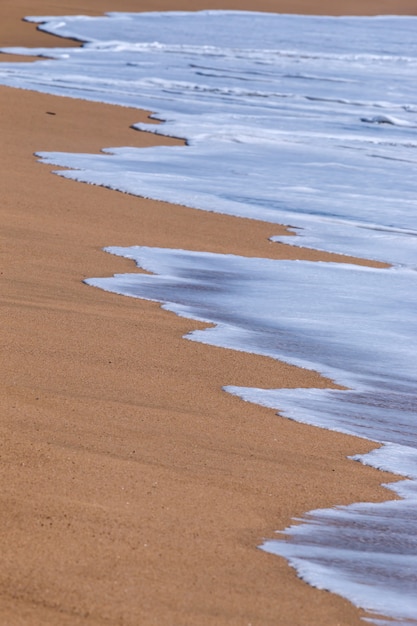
<point x="134" y="491"/>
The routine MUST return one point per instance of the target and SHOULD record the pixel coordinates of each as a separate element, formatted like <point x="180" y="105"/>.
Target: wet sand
<point x="133" y="489"/>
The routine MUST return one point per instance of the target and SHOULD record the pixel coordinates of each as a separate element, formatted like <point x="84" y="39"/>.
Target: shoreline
<point x="121" y="449"/>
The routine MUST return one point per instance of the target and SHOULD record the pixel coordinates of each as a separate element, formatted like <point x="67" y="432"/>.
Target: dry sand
<point x="133" y="490"/>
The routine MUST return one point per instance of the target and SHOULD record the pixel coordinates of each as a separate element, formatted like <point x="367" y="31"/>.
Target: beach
<point x="134" y="490"/>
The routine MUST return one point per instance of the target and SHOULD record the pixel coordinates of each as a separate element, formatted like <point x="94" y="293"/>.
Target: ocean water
<point x="310" y="122"/>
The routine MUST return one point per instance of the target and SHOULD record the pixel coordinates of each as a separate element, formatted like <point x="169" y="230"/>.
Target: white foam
<point x="324" y="128"/>
<point x="298" y="114"/>
<point x="341" y="321"/>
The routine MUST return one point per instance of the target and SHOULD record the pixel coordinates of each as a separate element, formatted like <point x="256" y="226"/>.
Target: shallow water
<point x="310" y="122"/>
<point x="327" y="317"/>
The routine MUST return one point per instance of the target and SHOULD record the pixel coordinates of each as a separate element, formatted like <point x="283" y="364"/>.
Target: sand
<point x="133" y="489"/>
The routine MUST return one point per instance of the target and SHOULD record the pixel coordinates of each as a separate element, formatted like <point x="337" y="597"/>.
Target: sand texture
<point x="133" y="489"/>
